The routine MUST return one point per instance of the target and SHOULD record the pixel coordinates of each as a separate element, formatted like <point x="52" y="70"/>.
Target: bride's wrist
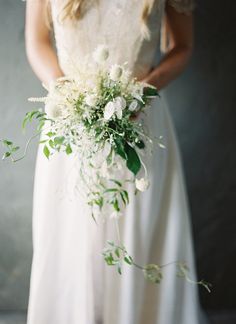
<point x="157" y="79"/>
<point x="50" y="82"/>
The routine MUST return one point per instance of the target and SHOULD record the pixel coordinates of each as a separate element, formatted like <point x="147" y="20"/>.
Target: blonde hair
<point x="73" y="10"/>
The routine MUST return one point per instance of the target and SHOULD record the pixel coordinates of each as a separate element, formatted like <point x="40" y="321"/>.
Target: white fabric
<point x="70" y="283"/>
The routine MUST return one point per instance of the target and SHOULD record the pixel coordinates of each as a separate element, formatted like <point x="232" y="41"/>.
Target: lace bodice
<point x="116" y="23"/>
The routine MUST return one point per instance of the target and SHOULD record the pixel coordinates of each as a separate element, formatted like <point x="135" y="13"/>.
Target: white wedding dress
<point x="70" y="282"/>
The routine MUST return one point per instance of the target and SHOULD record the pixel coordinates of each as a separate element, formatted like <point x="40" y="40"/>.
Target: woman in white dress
<point x="70" y="283"/>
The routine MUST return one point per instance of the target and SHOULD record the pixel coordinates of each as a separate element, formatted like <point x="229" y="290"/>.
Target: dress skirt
<point x="70" y="282"/>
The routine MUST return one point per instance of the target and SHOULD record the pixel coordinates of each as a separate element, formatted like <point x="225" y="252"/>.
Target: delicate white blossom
<point x="133" y="105"/>
<point x="142" y="184"/>
<point x="109" y="110"/>
<point x="114" y="107"/>
<point x="53" y="110"/>
<point x="101" y="54"/>
<point x="116" y="72"/>
<point x="91" y="100"/>
<point x="120" y="104"/>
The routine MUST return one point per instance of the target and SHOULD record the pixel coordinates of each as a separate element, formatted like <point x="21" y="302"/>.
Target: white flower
<point x="101" y="54"/>
<point x="52" y="110"/>
<point x="134" y="105"/>
<point x="114" y="107"/>
<point x="120" y="104"/>
<point x="91" y="100"/>
<point x="115" y="72"/>
<point x="109" y="110"/>
<point x="142" y="184"/>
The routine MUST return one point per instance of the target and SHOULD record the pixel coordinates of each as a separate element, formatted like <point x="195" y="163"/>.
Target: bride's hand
<point x="153" y="77"/>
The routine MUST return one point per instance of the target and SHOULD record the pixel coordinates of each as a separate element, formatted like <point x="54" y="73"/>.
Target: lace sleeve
<point x="182" y="6"/>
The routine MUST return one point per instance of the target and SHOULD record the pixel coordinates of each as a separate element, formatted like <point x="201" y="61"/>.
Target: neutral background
<point x="202" y="103"/>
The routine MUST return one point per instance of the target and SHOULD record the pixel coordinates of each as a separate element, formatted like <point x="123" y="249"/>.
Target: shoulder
<point x="182" y="6"/>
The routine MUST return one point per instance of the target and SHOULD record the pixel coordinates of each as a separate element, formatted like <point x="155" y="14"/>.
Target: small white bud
<point x="91" y="100"/>
<point x="134" y="105"/>
<point x="101" y="54"/>
<point x="115" y="72"/>
<point x="142" y="184"/>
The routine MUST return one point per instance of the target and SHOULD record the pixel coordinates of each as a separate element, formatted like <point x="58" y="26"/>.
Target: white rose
<point x="53" y="111"/>
<point x="115" y="72"/>
<point x="101" y="54"/>
<point x="91" y="100"/>
<point x="134" y="105"/>
<point x="142" y="184"/>
<point x="109" y="110"/>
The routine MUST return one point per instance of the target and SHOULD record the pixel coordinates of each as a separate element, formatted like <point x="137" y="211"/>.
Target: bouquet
<point x="91" y="114"/>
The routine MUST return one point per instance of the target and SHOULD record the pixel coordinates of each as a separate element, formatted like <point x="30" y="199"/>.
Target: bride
<point x="70" y="284"/>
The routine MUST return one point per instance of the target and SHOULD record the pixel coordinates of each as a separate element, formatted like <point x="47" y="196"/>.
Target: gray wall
<point x="202" y="105"/>
<point x="203" y="102"/>
<point x="17" y="83"/>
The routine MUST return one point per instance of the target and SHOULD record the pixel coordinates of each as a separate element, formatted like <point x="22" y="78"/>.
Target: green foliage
<point x="46" y="151"/>
<point x="132" y="161"/>
<point x="152" y="272"/>
<point x="11" y="149"/>
<point x="116" y="255"/>
<point x="150" y="92"/>
<point x="129" y="154"/>
<point x="182" y="272"/>
<point x="35" y="114"/>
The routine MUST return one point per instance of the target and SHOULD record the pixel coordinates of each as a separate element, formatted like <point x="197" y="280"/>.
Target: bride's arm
<point x="180" y="29"/>
<point x="39" y="49"/>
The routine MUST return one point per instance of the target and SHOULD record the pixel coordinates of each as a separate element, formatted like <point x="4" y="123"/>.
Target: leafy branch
<point x="116" y="255"/>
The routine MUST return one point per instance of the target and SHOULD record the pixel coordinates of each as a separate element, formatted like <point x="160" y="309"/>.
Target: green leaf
<point x="59" y="140"/>
<point x="110" y="243"/>
<point x="117" y="252"/>
<point x="40" y="114"/>
<point x="140" y="144"/>
<point x="46" y="151"/>
<point x="15" y="148"/>
<point x="93" y="216"/>
<point x="126" y="195"/>
<point x="123" y="197"/>
<point x="51" y="143"/>
<point x="7" y="143"/>
<point x="68" y="149"/>
<point x="6" y="155"/>
<point x="150" y="92"/>
<point x="152" y="272"/>
<point x="116" y="205"/>
<point x="29" y="116"/>
<point x="110" y="190"/>
<point x="133" y="162"/>
<point x="40" y="125"/>
<point x="119" y="269"/>
<point x="116" y="182"/>
<point x="128" y="260"/>
<point x="50" y="134"/>
<point x="120" y="147"/>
